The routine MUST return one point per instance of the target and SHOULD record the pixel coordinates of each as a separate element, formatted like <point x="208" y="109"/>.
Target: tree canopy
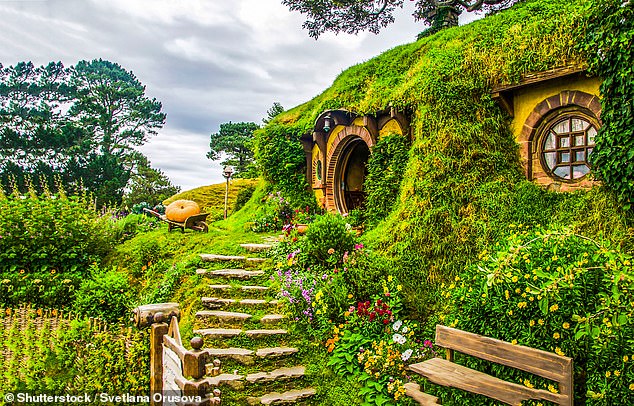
<point x="235" y="141"/>
<point x="353" y="16"/>
<point x="79" y="124"/>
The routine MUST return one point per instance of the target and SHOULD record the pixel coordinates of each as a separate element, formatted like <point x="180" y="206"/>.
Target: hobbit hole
<point x="337" y="153"/>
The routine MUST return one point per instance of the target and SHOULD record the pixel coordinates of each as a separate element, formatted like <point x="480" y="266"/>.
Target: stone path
<point x="242" y="326"/>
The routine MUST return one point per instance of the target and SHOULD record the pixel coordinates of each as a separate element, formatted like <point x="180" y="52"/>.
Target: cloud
<point x="207" y="61"/>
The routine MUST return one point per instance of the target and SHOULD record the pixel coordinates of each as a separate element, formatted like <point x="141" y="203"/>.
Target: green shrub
<point x="73" y="358"/>
<point x="47" y="243"/>
<point x="133" y="224"/>
<point x="106" y="295"/>
<point x="243" y="197"/>
<point x="556" y="291"/>
<point x="327" y="238"/>
<point x="609" y="41"/>
<point x="386" y="168"/>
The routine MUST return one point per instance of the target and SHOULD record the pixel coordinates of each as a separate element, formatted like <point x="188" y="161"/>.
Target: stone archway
<point x="346" y="162"/>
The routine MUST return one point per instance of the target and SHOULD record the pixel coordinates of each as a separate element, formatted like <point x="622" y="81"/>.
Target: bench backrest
<point x="542" y="363"/>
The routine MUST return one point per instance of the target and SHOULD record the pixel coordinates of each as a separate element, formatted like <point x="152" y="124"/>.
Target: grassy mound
<point x="211" y="199"/>
<point x="463" y="185"/>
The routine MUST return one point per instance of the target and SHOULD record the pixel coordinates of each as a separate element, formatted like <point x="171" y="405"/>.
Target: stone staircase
<point x="242" y="326"/>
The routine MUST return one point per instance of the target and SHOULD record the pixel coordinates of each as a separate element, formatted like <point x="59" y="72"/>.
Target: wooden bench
<point x="542" y="363"/>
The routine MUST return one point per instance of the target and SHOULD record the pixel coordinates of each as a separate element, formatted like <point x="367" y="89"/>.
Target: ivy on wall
<point x="610" y="44"/>
<point x="386" y="167"/>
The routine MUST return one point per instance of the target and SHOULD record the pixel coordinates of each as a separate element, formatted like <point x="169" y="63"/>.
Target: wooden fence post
<point x="158" y="330"/>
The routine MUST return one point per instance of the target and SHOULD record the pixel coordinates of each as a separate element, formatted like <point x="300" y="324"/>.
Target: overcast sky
<point x="207" y="61"/>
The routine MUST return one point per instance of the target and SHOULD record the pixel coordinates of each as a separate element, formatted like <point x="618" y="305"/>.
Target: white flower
<point x="405" y="356"/>
<point x="397" y="325"/>
<point x="399" y="339"/>
<point x="405" y="330"/>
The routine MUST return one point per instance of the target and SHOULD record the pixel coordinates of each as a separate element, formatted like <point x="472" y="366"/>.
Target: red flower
<point x="386" y="321"/>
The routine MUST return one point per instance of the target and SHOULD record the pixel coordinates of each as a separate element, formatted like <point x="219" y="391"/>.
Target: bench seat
<point x="447" y="373"/>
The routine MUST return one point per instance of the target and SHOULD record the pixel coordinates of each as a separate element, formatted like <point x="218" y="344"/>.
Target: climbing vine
<point x="610" y="44"/>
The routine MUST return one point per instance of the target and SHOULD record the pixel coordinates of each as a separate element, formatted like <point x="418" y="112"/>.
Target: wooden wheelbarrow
<point x="196" y="222"/>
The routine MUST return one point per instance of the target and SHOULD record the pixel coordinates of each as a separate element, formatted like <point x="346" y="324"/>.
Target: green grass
<point x="211" y="199"/>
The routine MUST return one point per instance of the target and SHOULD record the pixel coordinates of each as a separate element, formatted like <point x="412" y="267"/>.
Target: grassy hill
<point x="211" y="199"/>
<point x="464" y="185"/>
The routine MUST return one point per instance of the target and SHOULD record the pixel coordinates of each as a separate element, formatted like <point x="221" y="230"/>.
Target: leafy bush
<point x="72" y="357"/>
<point x="133" y="224"/>
<point x="609" y="41"/>
<point x="328" y="237"/>
<point x="47" y="243"/>
<point x="557" y="291"/>
<point x="386" y="168"/>
<point x="243" y="197"/>
<point x="106" y="295"/>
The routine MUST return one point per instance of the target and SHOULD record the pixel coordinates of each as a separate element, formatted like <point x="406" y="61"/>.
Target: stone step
<point x="272" y="319"/>
<point x="222" y="258"/>
<point x="230" y="258"/>
<point x="218" y="302"/>
<point x="274" y="398"/>
<point x="219" y="287"/>
<point x="232" y="332"/>
<point x="233" y="380"/>
<point x="247" y="357"/>
<point x="229" y="273"/>
<point x="241" y="355"/>
<point x="264" y="333"/>
<point x="256" y="247"/>
<point x="280" y="374"/>
<point x="255" y="288"/>
<point x="223" y="317"/>
<point x="412" y="390"/>
<point x="276" y="352"/>
<point x="218" y="332"/>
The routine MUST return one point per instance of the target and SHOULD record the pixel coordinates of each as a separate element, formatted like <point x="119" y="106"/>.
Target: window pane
<point x="590" y="151"/>
<point x="562" y="127"/>
<point x="563" y="172"/>
<point x="592" y="132"/>
<point x="580" y="140"/>
<point x="564" y="142"/>
<point x="551" y="159"/>
<point x="564" y="157"/>
<point x="579" y="171"/>
<point x="550" y="142"/>
<point x="580" y="156"/>
<point x="579" y="124"/>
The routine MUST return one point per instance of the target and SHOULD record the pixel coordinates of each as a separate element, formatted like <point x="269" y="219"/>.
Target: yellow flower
<point x="540" y="322"/>
<point x="350" y="296"/>
<point x="515" y="279"/>
<point x="558" y="351"/>
<point x="399" y="287"/>
<point x="556" y="336"/>
<point x="510" y="312"/>
<point x="346" y="314"/>
<point x="531" y="323"/>
<point x="625" y="358"/>
<point x="390" y="278"/>
<point x="566" y="325"/>
<point x="617" y="373"/>
<point x="554" y="308"/>
<point x="632" y="386"/>
<point x="521" y="305"/>
<point x="518" y="291"/>
<point x="528" y="383"/>
<point x="514" y="342"/>
<point x="506" y="294"/>
<point x="331" y="251"/>
<point x="608" y="374"/>
<point x="551" y="388"/>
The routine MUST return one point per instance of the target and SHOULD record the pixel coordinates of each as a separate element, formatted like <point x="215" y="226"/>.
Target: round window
<point x="567" y="142"/>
